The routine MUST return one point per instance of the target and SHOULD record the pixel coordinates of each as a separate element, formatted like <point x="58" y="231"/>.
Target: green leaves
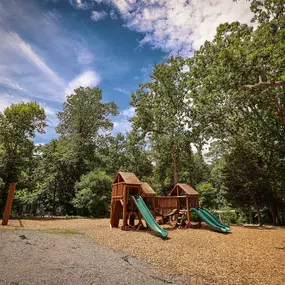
<point x="84" y="113"/>
<point x="93" y="193"/>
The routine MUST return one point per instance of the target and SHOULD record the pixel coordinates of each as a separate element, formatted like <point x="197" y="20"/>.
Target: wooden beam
<point x="111" y="213"/>
<point x="9" y="203"/>
<point x="125" y="201"/>
<point x="188" y="212"/>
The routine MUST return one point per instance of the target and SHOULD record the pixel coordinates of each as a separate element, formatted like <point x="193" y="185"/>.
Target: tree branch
<point x="262" y="84"/>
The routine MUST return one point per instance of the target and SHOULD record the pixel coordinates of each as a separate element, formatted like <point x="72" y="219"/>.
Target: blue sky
<point x="50" y="47"/>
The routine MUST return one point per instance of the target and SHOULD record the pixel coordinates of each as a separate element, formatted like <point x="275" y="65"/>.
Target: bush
<point x="229" y="216"/>
<point x="93" y="194"/>
<point x="207" y="195"/>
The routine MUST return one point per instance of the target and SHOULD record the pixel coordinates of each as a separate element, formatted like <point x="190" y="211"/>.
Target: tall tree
<point x="18" y="125"/>
<point x="162" y="111"/>
<point x="83" y="123"/>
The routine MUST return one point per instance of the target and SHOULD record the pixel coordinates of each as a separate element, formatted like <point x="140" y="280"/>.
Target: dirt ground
<point x="245" y="256"/>
<point x="29" y="257"/>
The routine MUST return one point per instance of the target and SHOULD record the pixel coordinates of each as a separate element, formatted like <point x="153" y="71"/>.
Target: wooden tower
<point x="187" y="195"/>
<point x="124" y="186"/>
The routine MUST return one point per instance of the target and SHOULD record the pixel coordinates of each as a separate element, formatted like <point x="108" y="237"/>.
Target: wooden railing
<point x="166" y="202"/>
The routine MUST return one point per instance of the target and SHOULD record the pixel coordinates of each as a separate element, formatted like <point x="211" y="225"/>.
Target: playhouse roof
<point x="147" y="189"/>
<point x="183" y="187"/>
<point x="127" y="177"/>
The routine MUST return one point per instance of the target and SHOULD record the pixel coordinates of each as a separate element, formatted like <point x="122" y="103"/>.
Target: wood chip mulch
<point x="245" y="256"/>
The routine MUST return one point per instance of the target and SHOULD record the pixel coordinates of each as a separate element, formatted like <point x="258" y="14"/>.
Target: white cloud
<point x="98" y="15"/>
<point x="122" y="90"/>
<point x="51" y="114"/>
<point x="84" y="56"/>
<point x="10" y="84"/>
<point x="87" y="78"/>
<point x="179" y="26"/>
<point x="15" y="41"/>
<point x="123" y="127"/>
<point x="113" y="15"/>
<point x="122" y="124"/>
<point x="79" y="4"/>
<point x="7" y="99"/>
<point x="128" y="113"/>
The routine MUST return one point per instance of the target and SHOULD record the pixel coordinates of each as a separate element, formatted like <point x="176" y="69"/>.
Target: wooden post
<point x="9" y="203"/>
<point x="200" y="224"/>
<point x="188" y="211"/>
<point x="111" y="212"/>
<point x="125" y="201"/>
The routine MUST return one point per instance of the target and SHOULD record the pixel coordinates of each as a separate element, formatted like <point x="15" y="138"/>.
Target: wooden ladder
<point x="180" y="218"/>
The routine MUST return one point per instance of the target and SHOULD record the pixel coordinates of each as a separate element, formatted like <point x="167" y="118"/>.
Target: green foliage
<point x="93" y="193"/>
<point x="85" y="114"/>
<point x="18" y="125"/>
<point x="207" y="195"/>
<point x="217" y="95"/>
<point x="229" y="216"/>
<point x="128" y="153"/>
<point x="163" y="112"/>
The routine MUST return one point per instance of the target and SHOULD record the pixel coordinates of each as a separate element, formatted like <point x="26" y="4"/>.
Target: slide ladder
<point x="212" y="221"/>
<point x="150" y="220"/>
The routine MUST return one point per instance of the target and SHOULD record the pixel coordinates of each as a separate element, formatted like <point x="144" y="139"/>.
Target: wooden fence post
<point x="9" y="203"/>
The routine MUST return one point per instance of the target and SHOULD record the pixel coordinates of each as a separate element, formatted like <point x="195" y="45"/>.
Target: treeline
<point x="228" y="97"/>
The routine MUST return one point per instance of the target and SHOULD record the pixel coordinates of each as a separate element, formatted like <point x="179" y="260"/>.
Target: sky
<point x="50" y="47"/>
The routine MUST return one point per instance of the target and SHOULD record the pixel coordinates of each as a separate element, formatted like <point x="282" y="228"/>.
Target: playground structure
<point x="132" y="198"/>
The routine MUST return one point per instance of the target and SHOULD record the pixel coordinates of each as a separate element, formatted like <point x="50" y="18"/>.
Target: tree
<point x="93" y="194"/>
<point x="162" y="109"/>
<point x="237" y="116"/>
<point x="18" y="125"/>
<point x="83" y="123"/>
<point x="207" y="195"/>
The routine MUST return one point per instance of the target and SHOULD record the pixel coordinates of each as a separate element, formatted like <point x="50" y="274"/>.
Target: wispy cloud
<point x="79" y="4"/>
<point x="122" y="90"/>
<point x="87" y="78"/>
<point x="11" y="84"/>
<point x="98" y="15"/>
<point x="16" y="42"/>
<point x="84" y="56"/>
<point x="113" y="15"/>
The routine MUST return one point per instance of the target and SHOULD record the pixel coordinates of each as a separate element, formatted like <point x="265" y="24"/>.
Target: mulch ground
<point x="245" y="256"/>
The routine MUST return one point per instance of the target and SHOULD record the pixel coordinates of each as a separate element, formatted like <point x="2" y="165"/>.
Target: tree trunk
<point x="257" y="207"/>
<point x="250" y="216"/>
<point x="54" y="192"/>
<point x="175" y="169"/>
<point x="274" y="213"/>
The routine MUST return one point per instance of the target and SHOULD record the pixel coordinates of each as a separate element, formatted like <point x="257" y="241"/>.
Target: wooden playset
<point x="174" y="208"/>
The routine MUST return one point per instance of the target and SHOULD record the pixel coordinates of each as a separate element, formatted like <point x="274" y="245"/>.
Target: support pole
<point x="9" y="203"/>
<point x="111" y="212"/>
<point x="188" y="211"/>
<point x="125" y="201"/>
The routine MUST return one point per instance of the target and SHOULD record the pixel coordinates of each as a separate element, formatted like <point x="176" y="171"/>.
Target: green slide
<point x="216" y="219"/>
<point x="152" y="223"/>
<point x="210" y="221"/>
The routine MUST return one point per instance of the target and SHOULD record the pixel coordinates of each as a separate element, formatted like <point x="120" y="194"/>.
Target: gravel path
<point x="30" y="257"/>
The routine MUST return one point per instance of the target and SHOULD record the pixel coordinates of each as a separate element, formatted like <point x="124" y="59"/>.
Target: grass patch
<point x="6" y="228"/>
<point x="65" y="232"/>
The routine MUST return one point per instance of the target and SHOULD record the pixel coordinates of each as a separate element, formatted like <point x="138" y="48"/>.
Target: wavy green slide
<point x="150" y="220"/>
<point x="216" y="219"/>
<point x="212" y="221"/>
